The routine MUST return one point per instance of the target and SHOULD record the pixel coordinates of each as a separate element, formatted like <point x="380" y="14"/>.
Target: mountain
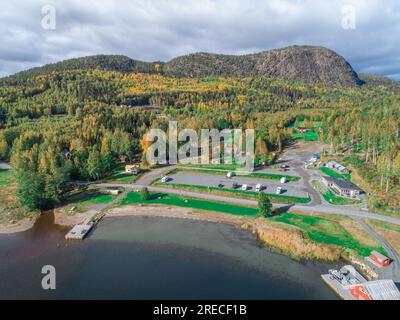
<point x="373" y="80"/>
<point x="306" y="64"/>
<point x="298" y="64"/>
<point x="102" y="62"/>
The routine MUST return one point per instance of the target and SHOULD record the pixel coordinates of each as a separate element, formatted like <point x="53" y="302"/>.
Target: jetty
<point x="349" y="284"/>
<point x="79" y="232"/>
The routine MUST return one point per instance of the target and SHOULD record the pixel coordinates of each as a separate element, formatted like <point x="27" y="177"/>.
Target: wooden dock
<point x="336" y="286"/>
<point x="79" y="232"/>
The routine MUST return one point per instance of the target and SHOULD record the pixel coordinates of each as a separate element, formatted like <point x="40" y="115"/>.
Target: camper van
<point x="279" y="190"/>
<point x="244" y="187"/>
<point x="283" y="180"/>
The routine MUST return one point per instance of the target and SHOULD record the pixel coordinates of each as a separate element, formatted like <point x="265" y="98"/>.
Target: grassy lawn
<point x="261" y="175"/>
<point x="390" y="232"/>
<point x="385" y="225"/>
<point x="334" y="199"/>
<point x="334" y="174"/>
<point x="225" y="167"/>
<point x="175" y="200"/>
<point x="244" y="194"/>
<point x="327" y="231"/>
<point x="307" y="136"/>
<point x="82" y="201"/>
<point x="119" y="176"/>
<point x="6" y="177"/>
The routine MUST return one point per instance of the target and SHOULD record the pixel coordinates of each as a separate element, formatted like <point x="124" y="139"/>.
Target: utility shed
<point x="382" y="290"/>
<point x="380" y="258"/>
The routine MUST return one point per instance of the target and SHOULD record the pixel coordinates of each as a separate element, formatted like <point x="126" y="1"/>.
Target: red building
<point x="360" y="293"/>
<point x="380" y="258"/>
<point x="376" y="290"/>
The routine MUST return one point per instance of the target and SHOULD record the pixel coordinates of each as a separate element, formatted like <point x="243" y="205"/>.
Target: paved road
<point x="315" y="209"/>
<point x="393" y="270"/>
<point x="153" y="175"/>
<point x="295" y="189"/>
<point x="314" y="194"/>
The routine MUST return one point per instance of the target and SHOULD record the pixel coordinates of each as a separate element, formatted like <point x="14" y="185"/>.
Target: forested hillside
<point x="76" y="124"/>
<point x="306" y="64"/>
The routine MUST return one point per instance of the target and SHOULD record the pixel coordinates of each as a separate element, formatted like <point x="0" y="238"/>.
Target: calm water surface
<point x="153" y="258"/>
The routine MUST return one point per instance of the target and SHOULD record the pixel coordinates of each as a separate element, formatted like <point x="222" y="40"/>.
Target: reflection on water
<point x="153" y="258"/>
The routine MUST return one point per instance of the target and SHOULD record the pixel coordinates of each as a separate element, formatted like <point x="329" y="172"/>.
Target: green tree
<point x="144" y="194"/>
<point x="31" y="190"/>
<point x="94" y="165"/>
<point x="264" y="205"/>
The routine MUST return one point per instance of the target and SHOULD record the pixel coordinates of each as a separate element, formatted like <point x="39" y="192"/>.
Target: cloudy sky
<point x="163" y="29"/>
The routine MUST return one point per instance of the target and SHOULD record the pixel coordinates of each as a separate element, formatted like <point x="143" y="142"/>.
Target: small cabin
<point x="113" y="192"/>
<point x="132" y="168"/>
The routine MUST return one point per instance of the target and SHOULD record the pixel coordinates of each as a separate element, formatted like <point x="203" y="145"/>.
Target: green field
<point x="385" y="225"/>
<point x="307" y="136"/>
<point x="336" y="200"/>
<point x="334" y="174"/>
<point x="174" y="200"/>
<point x="86" y="199"/>
<point x="119" y="176"/>
<point x="260" y="175"/>
<point x="324" y="230"/>
<point x="6" y="177"/>
<point x="248" y="194"/>
<point x="224" y="167"/>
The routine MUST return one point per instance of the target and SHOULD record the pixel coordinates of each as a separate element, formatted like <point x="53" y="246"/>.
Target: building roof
<point x="382" y="290"/>
<point x="379" y="255"/>
<point x="342" y="183"/>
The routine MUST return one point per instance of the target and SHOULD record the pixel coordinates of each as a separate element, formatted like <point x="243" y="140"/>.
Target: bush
<point x="145" y="194"/>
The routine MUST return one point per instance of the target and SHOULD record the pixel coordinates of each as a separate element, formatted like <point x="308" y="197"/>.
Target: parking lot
<point x="295" y="189"/>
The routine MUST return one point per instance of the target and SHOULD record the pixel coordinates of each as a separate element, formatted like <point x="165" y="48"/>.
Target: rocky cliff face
<point x="298" y="64"/>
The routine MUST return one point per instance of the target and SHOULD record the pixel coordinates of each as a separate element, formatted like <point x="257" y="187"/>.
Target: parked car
<point x="230" y="174"/>
<point x="283" y="180"/>
<point x="279" y="190"/>
<point x="259" y="187"/>
<point x="235" y="185"/>
<point x="165" y="179"/>
<point x="244" y="187"/>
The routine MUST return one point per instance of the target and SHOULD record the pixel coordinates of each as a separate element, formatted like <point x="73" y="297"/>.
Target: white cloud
<point x="163" y="29"/>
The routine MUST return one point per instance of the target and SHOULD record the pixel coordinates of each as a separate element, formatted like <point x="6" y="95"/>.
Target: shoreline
<point x="21" y="226"/>
<point x="162" y="211"/>
<point x="278" y="237"/>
